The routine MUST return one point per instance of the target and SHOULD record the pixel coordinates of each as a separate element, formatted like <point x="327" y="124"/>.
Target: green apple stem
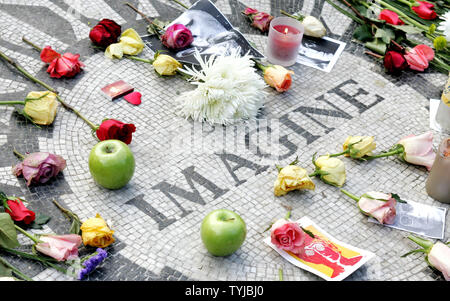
<point x="229" y="219"/>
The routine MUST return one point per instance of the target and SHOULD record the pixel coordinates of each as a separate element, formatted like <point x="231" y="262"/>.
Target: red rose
<point x="394" y="61"/>
<point x="114" y="129"/>
<point x="424" y="10"/>
<point x="66" y="65"/>
<point x="19" y="212"/>
<point x="105" y="33"/>
<point x="390" y="17"/>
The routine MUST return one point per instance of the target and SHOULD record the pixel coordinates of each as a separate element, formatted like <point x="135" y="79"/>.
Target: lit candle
<point x="285" y="37"/>
<point x="438" y="182"/>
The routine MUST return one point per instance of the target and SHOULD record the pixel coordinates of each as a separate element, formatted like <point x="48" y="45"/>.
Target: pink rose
<point x="439" y="257"/>
<point x="419" y="57"/>
<point x="60" y="247"/>
<point x="380" y="206"/>
<point x="39" y="168"/>
<point x="262" y="21"/>
<point x="288" y="236"/>
<point x="177" y="36"/>
<point x="419" y="149"/>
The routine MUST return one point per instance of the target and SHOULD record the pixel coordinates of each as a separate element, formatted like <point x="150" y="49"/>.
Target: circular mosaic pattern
<point x="157" y="216"/>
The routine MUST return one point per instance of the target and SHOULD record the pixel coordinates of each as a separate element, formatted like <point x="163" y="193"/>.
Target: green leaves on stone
<point x="40" y="220"/>
<point x="8" y="234"/>
<point x="375" y="38"/>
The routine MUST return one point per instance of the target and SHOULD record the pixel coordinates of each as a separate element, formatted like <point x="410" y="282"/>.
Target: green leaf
<point x="308" y="232"/>
<point x="8" y="234"/>
<point x="397" y="198"/>
<point x="385" y="34"/>
<point x="363" y="33"/>
<point x="377" y="45"/>
<point x="40" y="220"/>
<point x="408" y="29"/>
<point x="5" y="271"/>
<point x="75" y="227"/>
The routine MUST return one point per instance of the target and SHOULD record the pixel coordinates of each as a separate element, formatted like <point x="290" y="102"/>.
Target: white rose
<point x="313" y="27"/>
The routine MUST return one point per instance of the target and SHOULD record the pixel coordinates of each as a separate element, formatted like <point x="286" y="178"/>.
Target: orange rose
<point x="278" y="77"/>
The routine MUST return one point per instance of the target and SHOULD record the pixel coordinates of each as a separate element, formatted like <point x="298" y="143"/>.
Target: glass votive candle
<point x="285" y="38"/>
<point x="438" y="182"/>
<point x="443" y="112"/>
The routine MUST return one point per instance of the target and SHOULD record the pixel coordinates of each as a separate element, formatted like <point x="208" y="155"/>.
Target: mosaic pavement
<point x="157" y="216"/>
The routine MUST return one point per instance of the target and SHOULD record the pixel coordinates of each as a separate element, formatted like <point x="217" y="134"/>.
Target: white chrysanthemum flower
<point x="228" y="90"/>
<point x="445" y="25"/>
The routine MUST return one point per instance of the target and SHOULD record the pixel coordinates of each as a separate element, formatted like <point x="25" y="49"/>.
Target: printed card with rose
<point x="324" y="255"/>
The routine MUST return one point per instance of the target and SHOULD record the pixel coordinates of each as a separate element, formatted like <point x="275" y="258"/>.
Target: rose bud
<point x="378" y="205"/>
<point x="419" y="57"/>
<point x="96" y="233"/>
<point x="290" y="178"/>
<point x="331" y="170"/>
<point x="66" y="65"/>
<point x="105" y="33"/>
<point x="313" y="27"/>
<point x="177" y="36"/>
<point x="424" y="10"/>
<point x="438" y="254"/>
<point x="359" y="146"/>
<point x="394" y="62"/>
<point x="390" y="17"/>
<point x="39" y="168"/>
<point x="288" y="236"/>
<point x="278" y="77"/>
<point x="418" y="149"/>
<point x="60" y="247"/>
<point x="18" y="212"/>
<point x="166" y="65"/>
<point x="114" y="129"/>
<point x="41" y="107"/>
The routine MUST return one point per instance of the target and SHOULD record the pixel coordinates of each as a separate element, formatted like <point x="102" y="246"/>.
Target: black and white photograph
<point x="321" y="53"/>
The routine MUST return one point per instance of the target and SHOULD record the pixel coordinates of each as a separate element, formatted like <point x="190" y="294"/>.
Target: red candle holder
<point x="285" y="37"/>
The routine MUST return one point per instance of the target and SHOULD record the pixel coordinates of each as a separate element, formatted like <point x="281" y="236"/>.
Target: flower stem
<point x="30" y="236"/>
<point x="280" y="274"/>
<point x="400" y="13"/>
<point x="139" y="59"/>
<point x="178" y="2"/>
<point x="70" y="108"/>
<point x="143" y="15"/>
<point x="396" y="151"/>
<point x="378" y="56"/>
<point x="261" y="66"/>
<point x="300" y="18"/>
<point x="424" y="243"/>
<point x="31" y="44"/>
<point x="288" y="215"/>
<point x="15" y="270"/>
<point x="340" y="154"/>
<point x="46" y="261"/>
<point x="12" y="102"/>
<point x="349" y="194"/>
<point x="22" y="157"/>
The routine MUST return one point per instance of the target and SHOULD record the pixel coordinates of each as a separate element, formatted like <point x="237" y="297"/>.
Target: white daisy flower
<point x="228" y="90"/>
<point x="445" y="25"/>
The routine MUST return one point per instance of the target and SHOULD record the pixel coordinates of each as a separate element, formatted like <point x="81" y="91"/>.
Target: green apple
<point x="111" y="164"/>
<point x="223" y="232"/>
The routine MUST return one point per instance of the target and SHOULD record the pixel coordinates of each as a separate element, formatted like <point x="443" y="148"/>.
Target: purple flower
<point x="92" y="262"/>
<point x="39" y="167"/>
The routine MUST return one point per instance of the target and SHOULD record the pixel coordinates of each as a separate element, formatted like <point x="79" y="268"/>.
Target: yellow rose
<point x="446" y="93"/>
<point x="41" y="109"/>
<point x="364" y="147"/>
<point x="166" y="65"/>
<point x="114" y="51"/>
<point x="131" y="42"/>
<point x="96" y="233"/>
<point x="278" y="77"/>
<point x="334" y="169"/>
<point x="292" y="177"/>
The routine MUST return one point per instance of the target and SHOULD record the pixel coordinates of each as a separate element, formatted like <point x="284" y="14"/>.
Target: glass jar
<point x="438" y="182"/>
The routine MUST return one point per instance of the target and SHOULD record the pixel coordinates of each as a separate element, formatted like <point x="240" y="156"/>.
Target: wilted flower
<point x="418" y="149"/>
<point x="96" y="233"/>
<point x="60" y="247"/>
<point x="290" y="178"/>
<point x="90" y="263"/>
<point x="259" y="20"/>
<point x="67" y="65"/>
<point x="288" y="236"/>
<point x="39" y="167"/>
<point x="177" y="36"/>
<point x="419" y="57"/>
<point x="166" y="65"/>
<point x="41" y="107"/>
<point x="105" y="33"/>
<point x="380" y="206"/>
<point x="438" y="254"/>
<point x="277" y="77"/>
<point x="359" y="146"/>
<point x="330" y="170"/>
<point x="115" y="129"/>
<point x="313" y="27"/>
<point x="130" y="43"/>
